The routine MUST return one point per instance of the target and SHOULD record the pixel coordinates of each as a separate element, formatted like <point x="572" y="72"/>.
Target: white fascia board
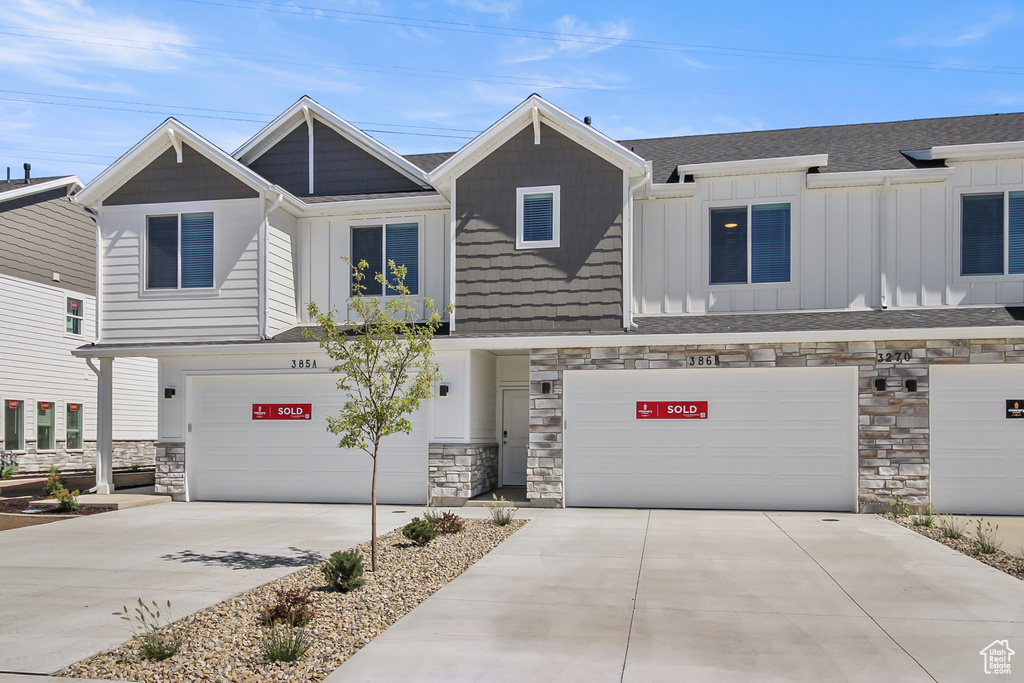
<point x="982" y="151"/>
<point x="671" y="191"/>
<point x="376" y="206"/>
<point x="581" y="341"/>
<point x="753" y="166"/>
<point x="903" y="176"/>
<point x="286" y="122"/>
<point x="35" y="188"/>
<point x="154" y="144"/>
<point x="522" y="116"/>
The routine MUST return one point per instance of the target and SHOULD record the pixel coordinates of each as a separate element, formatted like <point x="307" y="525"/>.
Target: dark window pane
<point x="367" y="245"/>
<point x="728" y="248"/>
<point x="403" y="248"/>
<point x="197" y="249"/>
<point x="162" y="252"/>
<point x="1017" y="232"/>
<point x="538" y="217"/>
<point x="981" y="246"/>
<point x="769" y="243"/>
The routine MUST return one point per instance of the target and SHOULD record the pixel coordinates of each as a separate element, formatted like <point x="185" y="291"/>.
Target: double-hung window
<point x="538" y="217"/>
<point x="749" y="244"/>
<point x="179" y="251"/>
<point x="14" y="425"/>
<point x="74" y="315"/>
<point x="44" y="426"/>
<point x="379" y="244"/>
<point x="73" y="426"/>
<point x="992" y="233"/>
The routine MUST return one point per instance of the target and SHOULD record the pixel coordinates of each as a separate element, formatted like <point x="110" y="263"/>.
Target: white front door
<point x="515" y="436"/>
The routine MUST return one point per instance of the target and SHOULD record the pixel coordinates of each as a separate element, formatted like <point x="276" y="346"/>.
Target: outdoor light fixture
<point x="442" y="390"/>
<point x="879" y="384"/>
<point x="545" y="387"/>
<point x="169" y="392"/>
<point x="731" y="225"/>
<point x="911" y="385"/>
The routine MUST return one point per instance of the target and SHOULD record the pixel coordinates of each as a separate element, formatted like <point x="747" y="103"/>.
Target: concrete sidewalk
<point x="673" y="595"/>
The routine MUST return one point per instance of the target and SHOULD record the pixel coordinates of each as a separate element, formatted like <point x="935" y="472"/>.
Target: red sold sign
<point x="671" y="410"/>
<point x="282" y="411"/>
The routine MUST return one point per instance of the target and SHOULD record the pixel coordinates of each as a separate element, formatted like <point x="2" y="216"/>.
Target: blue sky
<point x="84" y="80"/>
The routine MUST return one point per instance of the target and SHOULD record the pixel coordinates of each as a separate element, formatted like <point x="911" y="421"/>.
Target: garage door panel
<point x="233" y="457"/>
<point x="773" y="439"/>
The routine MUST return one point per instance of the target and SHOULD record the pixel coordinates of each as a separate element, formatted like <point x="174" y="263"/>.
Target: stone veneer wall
<point x="893" y="424"/>
<point x="459" y="471"/>
<point x="170" y="469"/>
<point x="126" y="454"/>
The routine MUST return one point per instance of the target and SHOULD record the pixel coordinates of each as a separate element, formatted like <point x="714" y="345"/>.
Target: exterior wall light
<point x="169" y="392"/>
<point x="911" y="385"/>
<point x="442" y="390"/>
<point x="879" y="384"/>
<point x="545" y="387"/>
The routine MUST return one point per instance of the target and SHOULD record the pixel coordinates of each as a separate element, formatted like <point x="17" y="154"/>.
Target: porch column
<point x="104" y="427"/>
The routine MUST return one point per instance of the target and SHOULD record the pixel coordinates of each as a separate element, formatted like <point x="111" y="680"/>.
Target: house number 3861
<point x="303" y="363"/>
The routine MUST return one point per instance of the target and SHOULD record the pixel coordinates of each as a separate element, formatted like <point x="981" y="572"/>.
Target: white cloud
<point x="502" y="8"/>
<point x="968" y="35"/>
<point x="62" y="36"/>
<point x="583" y="38"/>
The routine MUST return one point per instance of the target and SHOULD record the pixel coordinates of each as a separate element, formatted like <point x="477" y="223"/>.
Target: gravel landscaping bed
<point x="966" y="544"/>
<point x="223" y="642"/>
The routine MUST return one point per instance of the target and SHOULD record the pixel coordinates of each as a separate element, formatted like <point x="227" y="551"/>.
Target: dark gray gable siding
<point x="44" y="234"/>
<point x="287" y="162"/>
<point x="577" y="286"/>
<point x="195" y="179"/>
<point x="340" y="167"/>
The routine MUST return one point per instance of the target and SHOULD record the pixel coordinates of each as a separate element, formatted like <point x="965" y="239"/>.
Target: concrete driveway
<point x="636" y="595"/>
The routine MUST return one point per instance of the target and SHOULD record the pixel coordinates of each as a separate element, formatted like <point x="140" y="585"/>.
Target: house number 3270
<point x="303" y="363"/>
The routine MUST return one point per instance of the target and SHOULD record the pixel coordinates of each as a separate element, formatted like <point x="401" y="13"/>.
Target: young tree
<point x="384" y="360"/>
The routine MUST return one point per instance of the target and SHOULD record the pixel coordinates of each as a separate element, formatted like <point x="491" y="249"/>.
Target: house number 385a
<point x="303" y="363"/>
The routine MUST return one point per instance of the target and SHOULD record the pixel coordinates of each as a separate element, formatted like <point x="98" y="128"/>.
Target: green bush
<point x="344" y="571"/>
<point x="68" y="500"/>
<point x="292" y="608"/>
<point x="53" y="482"/>
<point x="952" y="527"/>
<point x="448" y="523"/>
<point x="284" y="643"/>
<point x="419" y="531"/>
<point x="502" y="511"/>
<point x="988" y="544"/>
<point x="156" y="641"/>
<point x="8" y="472"/>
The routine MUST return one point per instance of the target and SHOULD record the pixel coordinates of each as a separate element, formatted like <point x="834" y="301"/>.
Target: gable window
<point x="538" y="216"/>
<point x="992" y="234"/>
<point x="14" y="424"/>
<point x="179" y="251"/>
<point x="74" y="315"/>
<point x="73" y="426"/>
<point x="44" y="426"/>
<point x="749" y="244"/>
<point x="378" y="244"/>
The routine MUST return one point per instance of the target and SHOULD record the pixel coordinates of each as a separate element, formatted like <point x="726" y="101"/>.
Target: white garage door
<point x="231" y="456"/>
<point x="774" y="439"/>
<point x="977" y="454"/>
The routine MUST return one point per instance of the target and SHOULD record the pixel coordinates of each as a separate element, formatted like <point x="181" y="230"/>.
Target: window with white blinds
<point x="538" y="217"/>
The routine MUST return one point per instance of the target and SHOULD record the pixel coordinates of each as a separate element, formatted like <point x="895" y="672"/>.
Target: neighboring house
<point x="47" y="309"/>
<point x="809" y="319"/>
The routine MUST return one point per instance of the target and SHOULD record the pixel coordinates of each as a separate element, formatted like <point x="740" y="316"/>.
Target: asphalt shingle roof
<point x="18" y="183"/>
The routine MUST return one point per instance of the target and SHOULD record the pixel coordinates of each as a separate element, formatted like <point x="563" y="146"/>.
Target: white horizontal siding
<point x="37" y="365"/>
<point x="281" y="273"/>
<point x="229" y="311"/>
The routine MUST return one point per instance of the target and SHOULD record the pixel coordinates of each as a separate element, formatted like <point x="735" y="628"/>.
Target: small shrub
<point x="344" y="571"/>
<point x="157" y="641"/>
<point x="284" y="643"/>
<point x="986" y="537"/>
<point x="8" y="472"/>
<point x="432" y="514"/>
<point x="448" y="523"/>
<point x="952" y="527"/>
<point x="135" y="466"/>
<point x="419" y="531"/>
<point x="924" y="517"/>
<point x="68" y="500"/>
<point x="53" y="482"/>
<point x="502" y="511"/>
<point x="292" y="608"/>
<point x="898" y="508"/>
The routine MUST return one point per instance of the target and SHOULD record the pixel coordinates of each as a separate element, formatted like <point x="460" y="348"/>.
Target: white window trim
<point x="175" y="291"/>
<point x="748" y="285"/>
<point x="53" y="426"/>
<point x="80" y="316"/>
<point x="556" y="213"/>
<point x="81" y="429"/>
<point x="958" y="265"/>
<point x="383" y="223"/>
<point x="3" y="425"/>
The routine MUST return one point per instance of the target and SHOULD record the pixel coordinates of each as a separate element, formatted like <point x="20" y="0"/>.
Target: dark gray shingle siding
<point x="287" y="162"/>
<point x="46" y="233"/>
<point x="575" y="286"/>
<point x="195" y="179"/>
<point x="340" y="167"/>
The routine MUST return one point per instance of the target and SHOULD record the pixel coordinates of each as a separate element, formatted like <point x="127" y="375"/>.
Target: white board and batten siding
<point x="282" y="249"/>
<point x="36" y="364"/>
<point x="773" y="439"/>
<point x="229" y="311"/>
<point x="840" y="245"/>
<point x="323" y="276"/>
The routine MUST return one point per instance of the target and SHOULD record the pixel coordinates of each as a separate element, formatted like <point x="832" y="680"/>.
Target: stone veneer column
<point x="170" y="469"/>
<point x="460" y="471"/>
